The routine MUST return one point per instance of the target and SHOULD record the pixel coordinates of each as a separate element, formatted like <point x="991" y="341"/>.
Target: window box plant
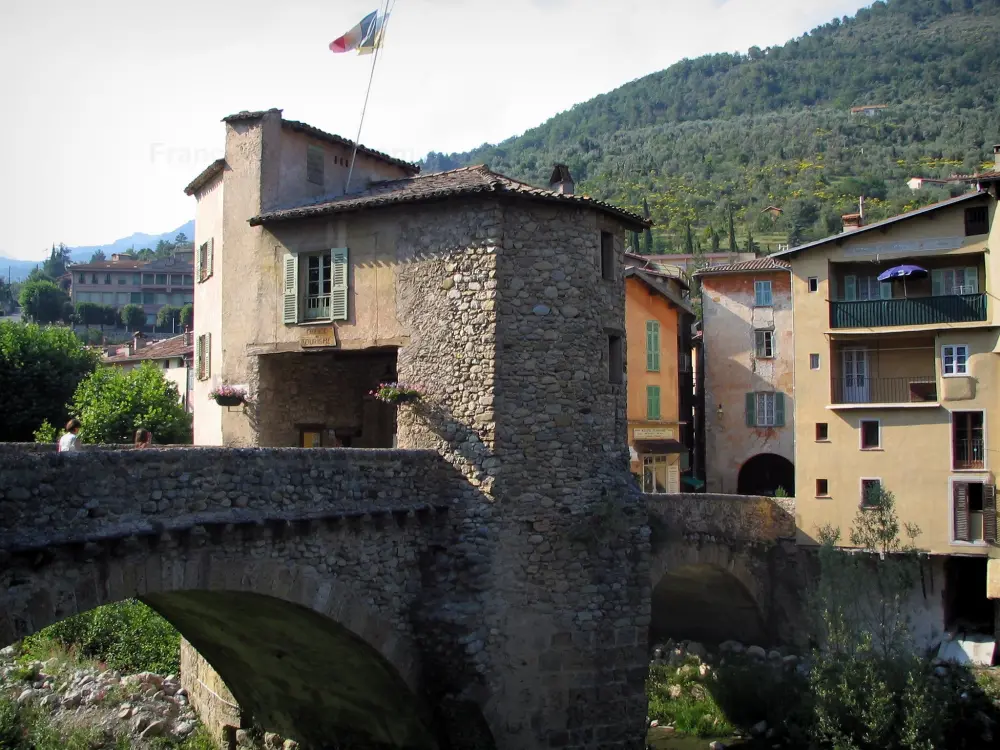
<point x="227" y="395"/>
<point x="397" y="393"/>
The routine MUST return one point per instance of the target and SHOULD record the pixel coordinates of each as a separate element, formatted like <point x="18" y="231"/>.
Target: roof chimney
<point x="851" y="221"/>
<point x="561" y="182"/>
<point x="138" y="341"/>
<point x="996" y="156"/>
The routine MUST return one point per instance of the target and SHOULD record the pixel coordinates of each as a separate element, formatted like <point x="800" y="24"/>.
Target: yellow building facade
<point x="657" y="331"/>
<point x="896" y="383"/>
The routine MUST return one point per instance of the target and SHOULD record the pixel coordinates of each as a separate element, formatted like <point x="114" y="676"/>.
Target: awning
<point x="660" y="446"/>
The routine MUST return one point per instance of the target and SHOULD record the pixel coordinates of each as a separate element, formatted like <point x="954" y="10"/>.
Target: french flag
<point x="353" y="38"/>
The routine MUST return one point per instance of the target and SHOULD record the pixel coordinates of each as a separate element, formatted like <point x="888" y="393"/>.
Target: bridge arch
<point x="706" y="591"/>
<point x="306" y="654"/>
<point x="764" y="473"/>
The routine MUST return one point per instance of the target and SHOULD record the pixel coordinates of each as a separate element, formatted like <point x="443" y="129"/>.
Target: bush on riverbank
<point x="128" y="636"/>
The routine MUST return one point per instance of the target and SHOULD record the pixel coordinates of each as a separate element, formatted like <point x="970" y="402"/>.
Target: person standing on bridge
<point x="70" y="441"/>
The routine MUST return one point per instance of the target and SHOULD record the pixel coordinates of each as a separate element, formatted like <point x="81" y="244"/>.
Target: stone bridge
<point x="365" y="598"/>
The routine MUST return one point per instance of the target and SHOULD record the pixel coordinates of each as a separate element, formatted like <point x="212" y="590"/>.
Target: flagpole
<point x="364" y="108"/>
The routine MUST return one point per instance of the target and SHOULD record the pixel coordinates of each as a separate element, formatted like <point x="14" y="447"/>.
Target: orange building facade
<point x="658" y="323"/>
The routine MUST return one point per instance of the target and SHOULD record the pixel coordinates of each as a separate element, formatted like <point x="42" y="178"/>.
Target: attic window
<point x="976" y="221"/>
<point x="314" y="165"/>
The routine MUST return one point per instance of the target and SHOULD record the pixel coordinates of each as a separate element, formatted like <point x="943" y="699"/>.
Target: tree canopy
<point x="774" y="127"/>
<point x="40" y="368"/>
<point x="43" y="301"/>
<point x="133" y="317"/>
<point x="112" y="403"/>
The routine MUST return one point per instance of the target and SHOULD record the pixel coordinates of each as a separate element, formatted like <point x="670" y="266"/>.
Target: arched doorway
<point x="707" y="604"/>
<point x="764" y="474"/>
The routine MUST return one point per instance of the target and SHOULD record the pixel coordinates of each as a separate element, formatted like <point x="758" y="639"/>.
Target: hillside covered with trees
<point x="728" y="135"/>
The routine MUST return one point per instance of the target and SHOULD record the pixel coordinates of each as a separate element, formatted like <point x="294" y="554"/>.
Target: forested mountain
<point x="730" y="134"/>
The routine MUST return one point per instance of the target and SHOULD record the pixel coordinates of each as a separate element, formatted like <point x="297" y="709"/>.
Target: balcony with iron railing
<point x="861" y="389"/>
<point x="913" y="311"/>
<point x="968" y="454"/>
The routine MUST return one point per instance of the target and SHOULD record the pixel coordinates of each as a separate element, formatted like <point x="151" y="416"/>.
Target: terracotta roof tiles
<point x="206" y="176"/>
<point x="465" y="181"/>
<point x="746" y="266"/>
<point x="176" y="346"/>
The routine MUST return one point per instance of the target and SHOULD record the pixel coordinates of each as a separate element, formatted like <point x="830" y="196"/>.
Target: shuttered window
<point x="954" y="281"/>
<point x="205" y="260"/>
<point x="338" y="300"/>
<point x="765" y="409"/>
<point x="652" y="402"/>
<point x="203" y="356"/>
<point x="762" y="293"/>
<point x="961" y="509"/>
<point x="990" y="512"/>
<point x="321" y="293"/>
<point x="652" y="345"/>
<point x="290" y="285"/>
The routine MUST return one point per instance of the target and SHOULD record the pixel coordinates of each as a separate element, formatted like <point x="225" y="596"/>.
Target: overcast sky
<point x="110" y="107"/>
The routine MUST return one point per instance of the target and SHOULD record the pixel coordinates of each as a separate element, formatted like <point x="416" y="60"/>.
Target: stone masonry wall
<point x="45" y="498"/>
<point x="727" y="517"/>
<point x="209" y="695"/>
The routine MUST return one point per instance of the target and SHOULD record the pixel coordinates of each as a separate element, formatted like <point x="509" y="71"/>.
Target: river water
<point x="692" y="743"/>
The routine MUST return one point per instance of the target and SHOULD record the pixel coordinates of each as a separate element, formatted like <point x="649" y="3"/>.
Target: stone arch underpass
<point x="723" y="567"/>
<point x="306" y="657"/>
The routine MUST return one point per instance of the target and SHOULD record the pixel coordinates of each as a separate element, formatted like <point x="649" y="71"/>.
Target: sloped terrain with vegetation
<point x="732" y="134"/>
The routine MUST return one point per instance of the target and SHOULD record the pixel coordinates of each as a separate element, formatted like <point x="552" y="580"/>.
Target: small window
<point x="203" y="356"/>
<point x="161" y="279"/>
<point x="122" y="280"/>
<point x="652" y="402"/>
<point x="148" y="278"/>
<point x="813" y="361"/>
<point x="188" y="280"/>
<point x="871" y="492"/>
<point x="764" y="344"/>
<point x="147" y="298"/>
<point x="977" y="221"/>
<point x="136" y="298"/>
<point x="762" y="293"/>
<point x="822" y="488"/>
<point x="822" y="431"/>
<point x="314" y="165"/>
<point x="107" y="278"/>
<point x="615" y="360"/>
<point x="652" y="346"/>
<point x="607" y="256"/>
<point x="93" y="278"/>
<point x="136" y="279"/>
<point x="83" y="278"/>
<point x="955" y="359"/>
<point x="813" y="284"/>
<point x="205" y="260"/>
<point x="176" y="279"/>
<point x="871" y="437"/>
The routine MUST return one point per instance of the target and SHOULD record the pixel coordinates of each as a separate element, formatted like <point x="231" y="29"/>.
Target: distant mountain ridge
<point x="704" y="145"/>
<point x="19" y="269"/>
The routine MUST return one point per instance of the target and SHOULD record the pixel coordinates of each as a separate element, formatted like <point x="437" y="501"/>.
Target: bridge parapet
<point x="50" y="498"/>
<point x="734" y="518"/>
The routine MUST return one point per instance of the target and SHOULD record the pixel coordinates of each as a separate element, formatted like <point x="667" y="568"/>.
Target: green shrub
<point x="127" y="636"/>
<point x="46" y="433"/>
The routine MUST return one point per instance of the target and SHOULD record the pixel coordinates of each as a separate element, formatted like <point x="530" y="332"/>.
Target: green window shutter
<point x="751" y="410"/>
<point x="779" y="409"/>
<point x="989" y="512"/>
<point x="652" y="402"/>
<point x="290" y="310"/>
<point x="208" y="356"/>
<point x="211" y="255"/>
<point x="199" y="357"/>
<point x="338" y="289"/>
<point x="652" y="346"/>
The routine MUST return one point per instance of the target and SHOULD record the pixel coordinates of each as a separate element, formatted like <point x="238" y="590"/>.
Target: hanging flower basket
<point x="227" y="395"/>
<point x="397" y="393"/>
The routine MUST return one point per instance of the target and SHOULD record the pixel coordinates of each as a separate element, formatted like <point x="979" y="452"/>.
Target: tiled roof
<point x="747" y="266"/>
<point x="177" y="346"/>
<point x="993" y="174"/>
<point x="205" y="177"/>
<point x="322" y="135"/>
<point x="455" y="183"/>
<point x="107" y="265"/>
<point x="883" y="223"/>
<point x="301" y="127"/>
<point x="653" y="281"/>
